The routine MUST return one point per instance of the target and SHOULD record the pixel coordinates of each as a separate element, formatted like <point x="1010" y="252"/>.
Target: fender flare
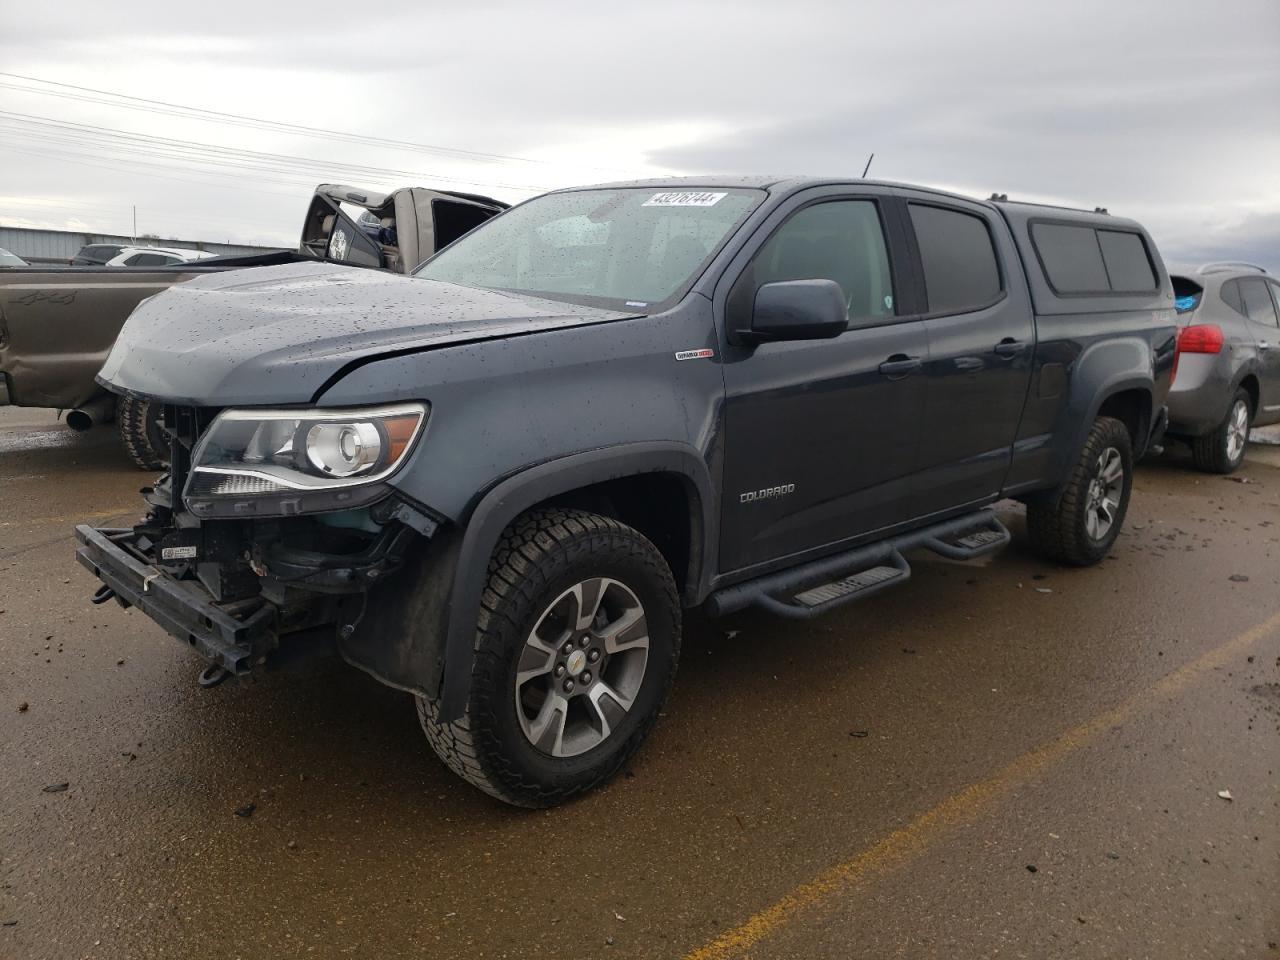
<point x="1250" y="368"/>
<point x="511" y="497"/>
<point x="1117" y="383"/>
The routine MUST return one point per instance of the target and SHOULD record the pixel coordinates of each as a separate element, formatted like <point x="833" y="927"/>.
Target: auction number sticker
<point x="684" y="198"/>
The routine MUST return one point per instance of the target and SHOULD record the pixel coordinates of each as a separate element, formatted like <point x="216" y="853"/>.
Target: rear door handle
<point x="1009" y="348"/>
<point x="899" y="366"/>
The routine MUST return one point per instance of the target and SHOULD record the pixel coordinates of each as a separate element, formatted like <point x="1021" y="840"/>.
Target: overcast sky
<point x="1167" y="111"/>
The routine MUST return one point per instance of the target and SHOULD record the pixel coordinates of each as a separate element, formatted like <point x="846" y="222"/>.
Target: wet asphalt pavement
<point x="1003" y="758"/>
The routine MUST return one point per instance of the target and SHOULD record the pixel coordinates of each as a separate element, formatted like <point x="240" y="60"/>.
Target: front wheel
<point x="1222" y="451"/>
<point x="1082" y="525"/>
<point x="139" y="423"/>
<point x="576" y="648"/>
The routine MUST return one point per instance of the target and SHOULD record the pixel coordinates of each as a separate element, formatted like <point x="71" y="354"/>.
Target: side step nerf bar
<point x="815" y="588"/>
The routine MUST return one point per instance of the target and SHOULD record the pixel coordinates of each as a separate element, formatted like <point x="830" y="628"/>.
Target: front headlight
<point x="248" y="454"/>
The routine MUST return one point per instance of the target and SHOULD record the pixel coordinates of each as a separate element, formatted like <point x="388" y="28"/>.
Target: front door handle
<point x="1008" y="347"/>
<point x="900" y="365"/>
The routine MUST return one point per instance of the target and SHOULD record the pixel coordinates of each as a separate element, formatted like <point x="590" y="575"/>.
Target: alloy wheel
<point x="581" y="667"/>
<point x="1237" y="431"/>
<point x="1105" y="491"/>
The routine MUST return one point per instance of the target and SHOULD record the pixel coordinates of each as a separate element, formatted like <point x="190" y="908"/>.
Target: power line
<point x="85" y="130"/>
<point x="241" y="120"/>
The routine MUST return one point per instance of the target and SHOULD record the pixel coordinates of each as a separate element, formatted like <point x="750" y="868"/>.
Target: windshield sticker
<point x="684" y="198"/>
<point x="637" y="303"/>
<point x="695" y="354"/>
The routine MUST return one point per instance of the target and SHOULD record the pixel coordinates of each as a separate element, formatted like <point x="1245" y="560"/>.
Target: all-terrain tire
<point x="139" y="422"/>
<point x="541" y="555"/>
<point x="1061" y="531"/>
<point x="1212" y="453"/>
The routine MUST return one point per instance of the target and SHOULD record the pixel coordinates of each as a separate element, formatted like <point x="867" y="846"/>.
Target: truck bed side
<point x="1097" y="352"/>
<point x="58" y="324"/>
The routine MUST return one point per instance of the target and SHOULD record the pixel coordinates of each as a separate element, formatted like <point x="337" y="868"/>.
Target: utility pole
<point x="135" y="223"/>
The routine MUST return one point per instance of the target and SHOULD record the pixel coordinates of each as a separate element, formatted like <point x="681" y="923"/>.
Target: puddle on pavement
<point x="39" y="440"/>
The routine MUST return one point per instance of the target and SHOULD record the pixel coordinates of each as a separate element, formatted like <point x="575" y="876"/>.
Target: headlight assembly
<point x="298" y="454"/>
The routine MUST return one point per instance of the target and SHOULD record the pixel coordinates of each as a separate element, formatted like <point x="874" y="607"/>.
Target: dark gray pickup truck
<point x="497" y="483"/>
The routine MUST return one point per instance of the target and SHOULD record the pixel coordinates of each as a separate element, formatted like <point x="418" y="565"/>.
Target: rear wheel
<point x="1082" y="526"/>
<point x="139" y="423"/>
<point x="576" y="649"/>
<point x="1222" y="451"/>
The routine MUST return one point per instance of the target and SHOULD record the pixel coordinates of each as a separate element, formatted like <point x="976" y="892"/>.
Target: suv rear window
<point x="1081" y="260"/>
<point x="960" y="267"/>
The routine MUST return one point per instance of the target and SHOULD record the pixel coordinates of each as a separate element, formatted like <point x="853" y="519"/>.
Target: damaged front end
<point x="270" y="523"/>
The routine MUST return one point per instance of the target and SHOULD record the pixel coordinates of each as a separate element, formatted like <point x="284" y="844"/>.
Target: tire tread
<point x="1057" y="530"/>
<point x="522" y="563"/>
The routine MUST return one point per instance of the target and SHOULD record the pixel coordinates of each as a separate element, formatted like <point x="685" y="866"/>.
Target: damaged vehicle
<point x="57" y="324"/>
<point x="498" y="483"/>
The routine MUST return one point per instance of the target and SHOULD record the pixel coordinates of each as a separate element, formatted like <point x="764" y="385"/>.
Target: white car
<point x="155" y="256"/>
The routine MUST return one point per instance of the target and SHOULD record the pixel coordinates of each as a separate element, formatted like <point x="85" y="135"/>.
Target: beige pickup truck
<point x="57" y="324"/>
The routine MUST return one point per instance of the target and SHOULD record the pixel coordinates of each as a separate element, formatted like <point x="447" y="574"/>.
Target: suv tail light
<point x="1200" y="338"/>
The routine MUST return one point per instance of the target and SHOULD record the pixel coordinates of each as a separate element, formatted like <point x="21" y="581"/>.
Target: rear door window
<point x="1125" y="257"/>
<point x="841" y="240"/>
<point x="1230" y="294"/>
<point x="961" y="272"/>
<point x="1071" y="257"/>
<point x="148" y="260"/>
<point x="1257" y="302"/>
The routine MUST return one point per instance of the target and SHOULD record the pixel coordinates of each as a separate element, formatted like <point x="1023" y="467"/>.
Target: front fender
<point x="495" y="511"/>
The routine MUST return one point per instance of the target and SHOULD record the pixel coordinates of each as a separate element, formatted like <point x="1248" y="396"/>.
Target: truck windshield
<point x="626" y="248"/>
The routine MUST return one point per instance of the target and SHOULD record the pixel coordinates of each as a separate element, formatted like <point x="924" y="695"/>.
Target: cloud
<point x="1160" y="109"/>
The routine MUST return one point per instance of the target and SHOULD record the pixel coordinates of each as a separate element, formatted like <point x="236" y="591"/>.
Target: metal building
<point x="59" y="246"/>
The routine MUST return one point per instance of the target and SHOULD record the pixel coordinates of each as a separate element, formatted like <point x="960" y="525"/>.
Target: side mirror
<point x="797" y="310"/>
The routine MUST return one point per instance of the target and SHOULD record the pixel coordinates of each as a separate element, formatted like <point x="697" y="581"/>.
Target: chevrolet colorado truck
<point x="57" y="324"/>
<point x="497" y="483"/>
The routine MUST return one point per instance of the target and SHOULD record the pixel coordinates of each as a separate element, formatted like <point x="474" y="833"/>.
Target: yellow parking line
<point x="964" y="806"/>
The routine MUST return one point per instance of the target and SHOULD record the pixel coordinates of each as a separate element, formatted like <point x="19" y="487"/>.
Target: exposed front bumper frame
<point x="182" y="607"/>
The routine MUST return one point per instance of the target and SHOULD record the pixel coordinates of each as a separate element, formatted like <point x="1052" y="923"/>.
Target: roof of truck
<point x="788" y="183"/>
<point x="761" y="182"/>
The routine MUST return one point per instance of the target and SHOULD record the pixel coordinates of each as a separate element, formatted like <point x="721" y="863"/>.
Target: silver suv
<point x="1228" y="375"/>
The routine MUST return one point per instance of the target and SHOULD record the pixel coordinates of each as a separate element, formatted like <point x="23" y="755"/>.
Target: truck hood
<point x="274" y="335"/>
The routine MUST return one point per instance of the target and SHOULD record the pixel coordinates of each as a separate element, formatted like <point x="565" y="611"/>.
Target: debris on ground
<point x="246" y="810"/>
<point x="1043" y="590"/>
<point x="1225" y="794"/>
<point x="1031" y="868"/>
<point x="619" y="917"/>
<point x="859" y="733"/>
<point x="1238" y="578"/>
<point x="56" y="788"/>
<point x="23" y="707"/>
<point x="1239" y="479"/>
